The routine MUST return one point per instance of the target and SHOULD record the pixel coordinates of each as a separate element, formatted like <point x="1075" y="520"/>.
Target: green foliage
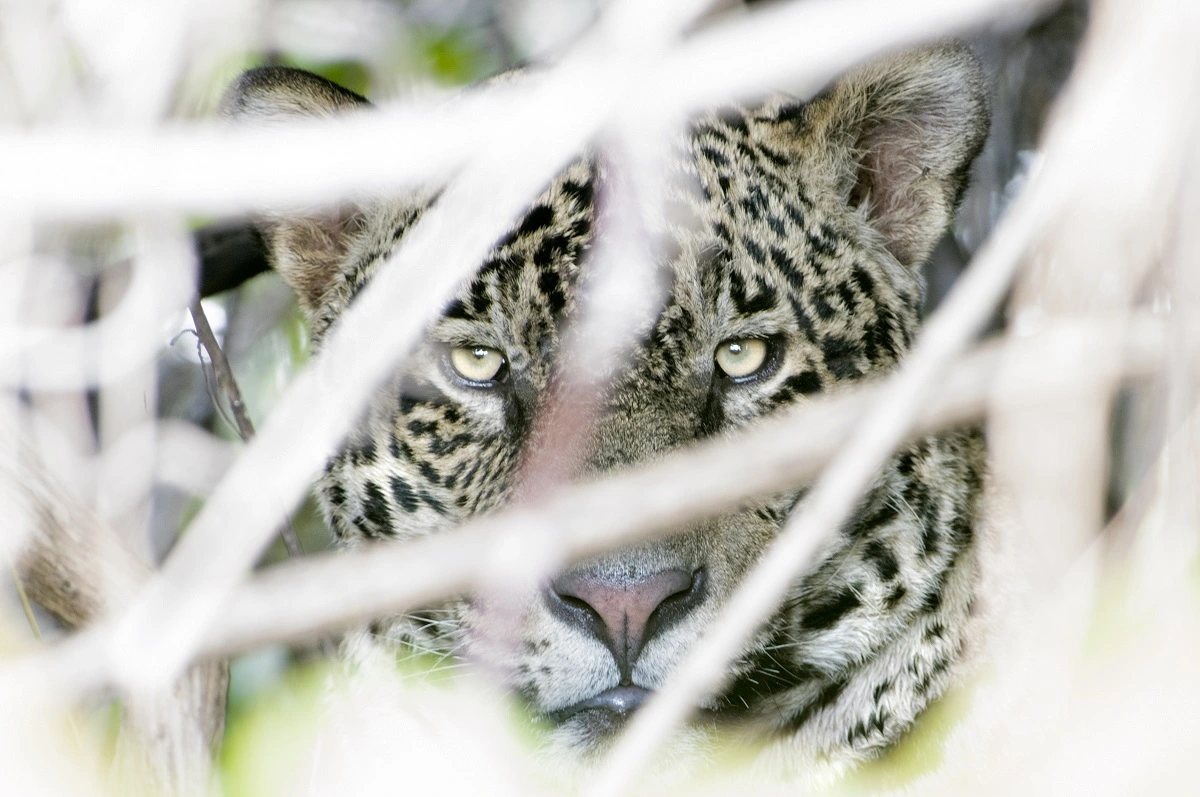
<point x="1196" y="577"/>
<point x="353" y="75"/>
<point x="921" y="751"/>
<point x="450" y="56"/>
<point x="269" y="734"/>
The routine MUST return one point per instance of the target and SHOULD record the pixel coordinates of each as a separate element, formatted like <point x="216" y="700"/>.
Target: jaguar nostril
<point x="625" y="613"/>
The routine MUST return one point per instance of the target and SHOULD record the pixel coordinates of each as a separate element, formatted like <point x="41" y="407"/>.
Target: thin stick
<point x="224" y="373"/>
<point x="228" y="384"/>
<point x="26" y="606"/>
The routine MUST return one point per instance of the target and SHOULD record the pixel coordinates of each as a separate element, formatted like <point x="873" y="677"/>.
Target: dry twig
<point x="245" y="428"/>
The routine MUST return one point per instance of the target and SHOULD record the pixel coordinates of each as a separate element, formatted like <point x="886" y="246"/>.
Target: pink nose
<point x="622" y="613"/>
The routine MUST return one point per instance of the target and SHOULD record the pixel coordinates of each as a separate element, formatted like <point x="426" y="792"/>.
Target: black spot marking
<point x="881" y="515"/>
<point x="433" y="503"/>
<point x="548" y="281"/>
<point x="933" y="600"/>
<point x="363" y="454"/>
<point x="804" y="383"/>
<point x="826" y="697"/>
<point x="404" y="494"/>
<point x="819" y="298"/>
<point x="713" y="155"/>
<point x="840" y="356"/>
<point x="765" y="676"/>
<point x="864" y="281"/>
<point x="550" y="249"/>
<point x="755" y="251"/>
<point x="429" y="472"/>
<point x="456" y="309"/>
<point x="375" y="509"/>
<point x="940" y="666"/>
<point x="734" y="120"/>
<point x="883" y="559"/>
<point x="442" y="446"/>
<point x="793" y="113"/>
<point x="794" y="213"/>
<point x="825" y="614"/>
<point x="961" y="530"/>
<point x="541" y="217"/>
<point x="582" y="193"/>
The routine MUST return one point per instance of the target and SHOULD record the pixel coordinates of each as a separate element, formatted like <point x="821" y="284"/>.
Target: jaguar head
<point x="795" y="239"/>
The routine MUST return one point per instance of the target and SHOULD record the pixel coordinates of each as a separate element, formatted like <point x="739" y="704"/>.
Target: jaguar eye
<point x="477" y="363"/>
<point x="741" y="358"/>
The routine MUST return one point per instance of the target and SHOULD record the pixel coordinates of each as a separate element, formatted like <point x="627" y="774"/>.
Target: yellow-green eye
<point x="476" y="363"/>
<point x="741" y="357"/>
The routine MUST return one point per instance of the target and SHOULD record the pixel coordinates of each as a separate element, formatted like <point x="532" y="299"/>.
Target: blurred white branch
<point x="1138" y="78"/>
<point x="95" y="173"/>
<point x="795" y="46"/>
<point x="296" y="601"/>
<point x="128" y="337"/>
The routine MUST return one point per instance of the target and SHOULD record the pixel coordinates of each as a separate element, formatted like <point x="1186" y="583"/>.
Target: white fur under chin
<point x="383" y="734"/>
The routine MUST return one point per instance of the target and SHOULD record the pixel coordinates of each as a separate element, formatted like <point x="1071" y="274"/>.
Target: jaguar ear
<point x="306" y="248"/>
<point x="899" y="136"/>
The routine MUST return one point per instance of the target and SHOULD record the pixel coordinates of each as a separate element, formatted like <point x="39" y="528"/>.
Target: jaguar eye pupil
<point x="741" y="358"/>
<point x="479" y="365"/>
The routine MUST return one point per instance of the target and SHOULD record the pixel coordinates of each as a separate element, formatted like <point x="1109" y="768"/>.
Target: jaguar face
<point x="791" y="267"/>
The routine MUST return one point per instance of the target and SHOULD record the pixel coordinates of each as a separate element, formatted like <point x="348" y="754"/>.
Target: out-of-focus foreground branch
<point x="1130" y="116"/>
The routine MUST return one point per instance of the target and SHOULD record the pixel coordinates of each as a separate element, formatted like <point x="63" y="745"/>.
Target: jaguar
<point x="788" y="261"/>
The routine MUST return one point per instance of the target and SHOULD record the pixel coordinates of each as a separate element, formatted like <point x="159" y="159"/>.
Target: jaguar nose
<point x="625" y="613"/>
